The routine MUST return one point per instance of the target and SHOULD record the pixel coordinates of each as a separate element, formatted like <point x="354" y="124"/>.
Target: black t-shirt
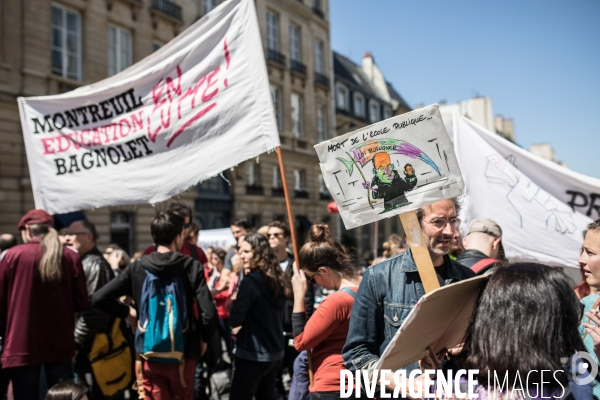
<point x="442" y="272"/>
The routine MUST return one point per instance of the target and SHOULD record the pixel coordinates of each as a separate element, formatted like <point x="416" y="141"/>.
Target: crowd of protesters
<point x="185" y="313"/>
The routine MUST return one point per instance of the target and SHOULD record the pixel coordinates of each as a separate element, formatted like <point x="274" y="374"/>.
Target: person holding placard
<point x="390" y="289"/>
<point x="522" y="340"/>
<point x="325" y="262"/>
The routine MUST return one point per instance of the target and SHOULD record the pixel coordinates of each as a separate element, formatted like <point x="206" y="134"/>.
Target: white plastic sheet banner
<point x="580" y="192"/>
<point x="197" y="106"/>
<point x="390" y="167"/>
<point x="216" y="238"/>
<point x="535" y="224"/>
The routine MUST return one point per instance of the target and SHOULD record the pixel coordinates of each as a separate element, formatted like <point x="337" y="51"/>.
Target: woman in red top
<point x="325" y="262"/>
<point x="221" y="293"/>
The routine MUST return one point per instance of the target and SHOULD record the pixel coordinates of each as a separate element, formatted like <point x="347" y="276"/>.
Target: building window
<point x="295" y="50"/>
<point x="300" y="180"/>
<point x="119" y="50"/>
<point x="252" y="174"/>
<point x="374" y="115"/>
<point x="359" y="105"/>
<point x="272" y="31"/>
<point x="322" y="186"/>
<point x="156" y="45"/>
<point x="387" y="112"/>
<point x="66" y="43"/>
<point x="254" y="221"/>
<point x="297" y="116"/>
<point x="215" y="184"/>
<point x="322" y="122"/>
<point x="276" y="97"/>
<point x="209" y="5"/>
<point x="319" y="57"/>
<point x="277" y="183"/>
<point x="121" y="230"/>
<point x="342" y="96"/>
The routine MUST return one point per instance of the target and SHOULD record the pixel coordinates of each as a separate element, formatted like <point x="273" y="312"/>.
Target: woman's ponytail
<point x="51" y="263"/>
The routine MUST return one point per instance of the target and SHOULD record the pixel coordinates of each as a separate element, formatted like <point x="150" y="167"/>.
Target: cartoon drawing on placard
<point x="386" y="183"/>
<point x="391" y="167"/>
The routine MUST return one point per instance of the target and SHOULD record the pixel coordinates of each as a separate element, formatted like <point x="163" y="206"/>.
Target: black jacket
<point x="468" y="258"/>
<point x="163" y="265"/>
<point x="97" y="274"/>
<point x="260" y="314"/>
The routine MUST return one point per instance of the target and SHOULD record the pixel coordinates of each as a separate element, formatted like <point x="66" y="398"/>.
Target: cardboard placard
<point x="391" y="167"/>
<point x="439" y="320"/>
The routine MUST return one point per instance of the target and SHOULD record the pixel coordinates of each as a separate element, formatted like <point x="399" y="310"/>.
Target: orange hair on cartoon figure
<point x="381" y="159"/>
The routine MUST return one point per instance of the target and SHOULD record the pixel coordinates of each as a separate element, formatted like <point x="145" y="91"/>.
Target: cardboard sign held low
<point x="439" y="320"/>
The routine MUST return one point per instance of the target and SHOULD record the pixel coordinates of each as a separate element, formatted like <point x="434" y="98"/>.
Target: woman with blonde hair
<point x="324" y="261"/>
<point x="394" y="245"/>
<point x="257" y="319"/>
<point x="42" y="286"/>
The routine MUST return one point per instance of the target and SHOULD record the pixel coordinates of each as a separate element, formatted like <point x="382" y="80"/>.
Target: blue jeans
<point x="300" y="381"/>
<point x="26" y="380"/>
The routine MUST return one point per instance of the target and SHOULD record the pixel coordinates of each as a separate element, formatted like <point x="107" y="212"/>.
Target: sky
<point x="539" y="61"/>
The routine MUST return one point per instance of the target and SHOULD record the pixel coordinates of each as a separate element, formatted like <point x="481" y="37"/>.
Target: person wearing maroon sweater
<point x="326" y="262"/>
<point x="42" y="286"/>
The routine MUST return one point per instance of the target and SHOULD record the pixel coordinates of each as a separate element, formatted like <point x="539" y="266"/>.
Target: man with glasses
<point x="482" y="244"/>
<point x="82" y="236"/>
<point x="279" y="239"/>
<point x="389" y="290"/>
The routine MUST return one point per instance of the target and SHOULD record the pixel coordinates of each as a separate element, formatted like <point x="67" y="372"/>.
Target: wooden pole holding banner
<point x="420" y="253"/>
<point x="288" y="206"/>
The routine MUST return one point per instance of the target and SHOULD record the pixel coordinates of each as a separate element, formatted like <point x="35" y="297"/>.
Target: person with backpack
<point x="324" y="261"/>
<point x="256" y="318"/>
<point x="82" y="236"/>
<point x="482" y="243"/>
<point x="187" y="248"/>
<point x="173" y="307"/>
<point x="42" y="286"/>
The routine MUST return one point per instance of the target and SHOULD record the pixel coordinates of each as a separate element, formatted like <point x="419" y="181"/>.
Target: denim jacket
<point x="388" y="292"/>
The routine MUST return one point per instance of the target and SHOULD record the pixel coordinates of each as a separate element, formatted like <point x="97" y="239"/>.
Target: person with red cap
<point x="42" y="286"/>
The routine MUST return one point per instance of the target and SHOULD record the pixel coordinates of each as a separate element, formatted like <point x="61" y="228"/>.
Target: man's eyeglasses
<point x="440" y="223"/>
<point x="185" y="226"/>
<point x="274" y="235"/>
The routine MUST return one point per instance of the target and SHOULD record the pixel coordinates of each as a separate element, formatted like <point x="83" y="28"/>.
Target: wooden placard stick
<point x="288" y="206"/>
<point x="420" y="253"/>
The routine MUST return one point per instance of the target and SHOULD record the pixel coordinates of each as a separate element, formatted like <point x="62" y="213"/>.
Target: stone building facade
<point x="49" y="47"/>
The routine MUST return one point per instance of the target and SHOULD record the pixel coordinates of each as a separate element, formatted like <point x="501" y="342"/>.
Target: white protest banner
<point x="197" y="106"/>
<point x="222" y="238"/>
<point x="580" y="192"/>
<point x="535" y="224"/>
<point x="390" y="167"/>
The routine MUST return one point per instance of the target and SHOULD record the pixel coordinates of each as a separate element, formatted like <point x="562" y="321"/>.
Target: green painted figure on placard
<point x="387" y="183"/>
